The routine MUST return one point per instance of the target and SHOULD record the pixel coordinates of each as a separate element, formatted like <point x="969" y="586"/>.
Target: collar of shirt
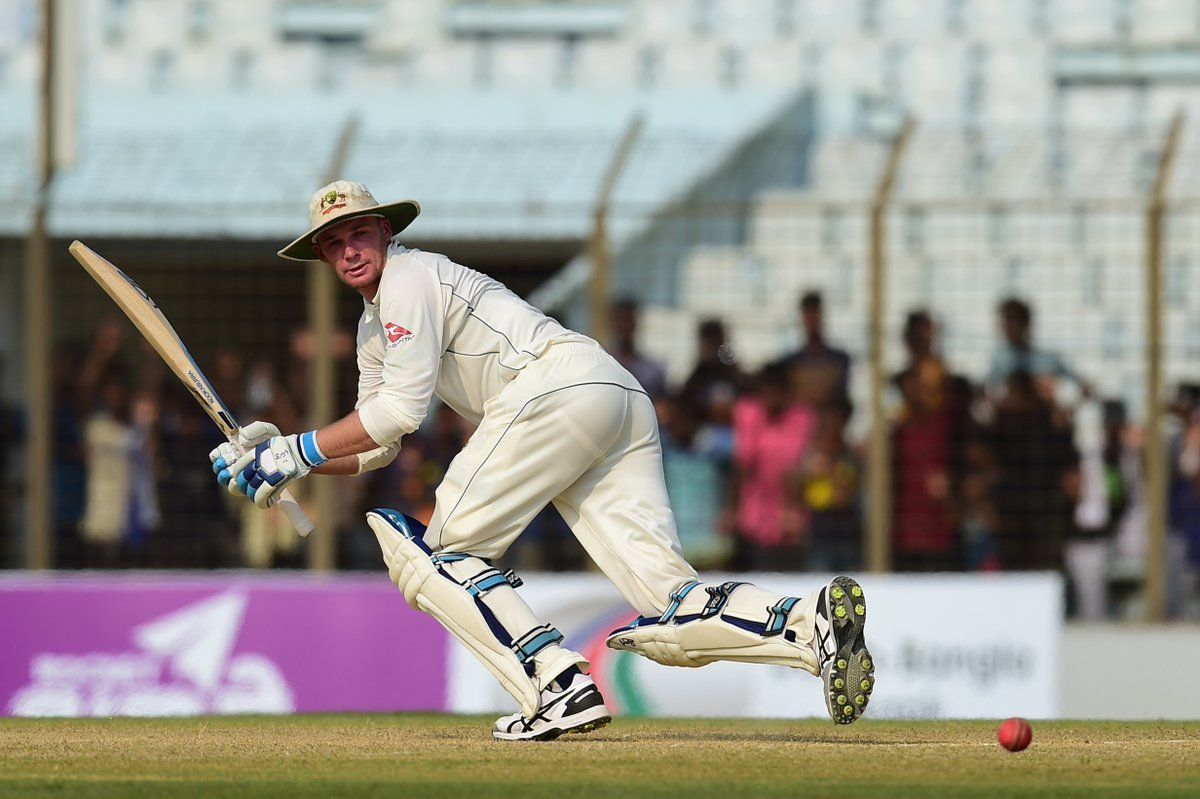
<point x="371" y="307"/>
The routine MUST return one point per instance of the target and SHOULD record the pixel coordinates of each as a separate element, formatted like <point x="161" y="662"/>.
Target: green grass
<point x="418" y="756"/>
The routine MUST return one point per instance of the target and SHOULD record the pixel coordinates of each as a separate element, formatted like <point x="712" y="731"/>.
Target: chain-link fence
<point x="1013" y="369"/>
<point x="131" y="486"/>
<point x="1015" y="362"/>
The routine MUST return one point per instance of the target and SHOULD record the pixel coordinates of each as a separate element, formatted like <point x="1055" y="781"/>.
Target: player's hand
<point x="262" y="472"/>
<point x="224" y="456"/>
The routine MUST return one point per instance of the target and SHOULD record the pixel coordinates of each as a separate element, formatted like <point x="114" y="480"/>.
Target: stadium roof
<point x="484" y="165"/>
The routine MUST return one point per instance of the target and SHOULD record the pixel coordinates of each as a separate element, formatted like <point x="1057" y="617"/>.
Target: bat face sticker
<point x="137" y="288"/>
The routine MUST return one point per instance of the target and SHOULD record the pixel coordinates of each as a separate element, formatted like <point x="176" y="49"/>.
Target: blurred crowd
<point x="1026" y="469"/>
<point x="127" y="487"/>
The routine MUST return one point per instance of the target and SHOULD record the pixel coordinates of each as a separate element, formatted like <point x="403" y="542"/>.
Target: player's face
<point x="357" y="251"/>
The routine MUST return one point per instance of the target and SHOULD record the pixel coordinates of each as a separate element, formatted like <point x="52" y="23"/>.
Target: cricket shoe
<point x="578" y="708"/>
<point x="846" y="666"/>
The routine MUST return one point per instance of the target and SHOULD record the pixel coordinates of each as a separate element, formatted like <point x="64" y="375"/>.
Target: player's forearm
<point x="345" y="437"/>
<point x="355" y="451"/>
<point x="346" y="465"/>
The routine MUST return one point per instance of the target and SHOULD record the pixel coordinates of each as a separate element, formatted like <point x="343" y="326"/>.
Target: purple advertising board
<point x="181" y="645"/>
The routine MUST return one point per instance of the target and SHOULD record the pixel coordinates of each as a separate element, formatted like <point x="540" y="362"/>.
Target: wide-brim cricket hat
<point x="342" y="200"/>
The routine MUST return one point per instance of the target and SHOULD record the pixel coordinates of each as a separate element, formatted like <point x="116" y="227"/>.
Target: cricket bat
<point x="152" y="324"/>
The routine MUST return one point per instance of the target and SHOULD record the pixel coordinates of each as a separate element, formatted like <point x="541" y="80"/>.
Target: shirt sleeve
<point x="370" y="373"/>
<point x="377" y="458"/>
<point x="412" y="314"/>
<point x="370" y="380"/>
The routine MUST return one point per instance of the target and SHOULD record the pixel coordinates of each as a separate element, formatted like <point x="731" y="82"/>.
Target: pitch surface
<point x="326" y="756"/>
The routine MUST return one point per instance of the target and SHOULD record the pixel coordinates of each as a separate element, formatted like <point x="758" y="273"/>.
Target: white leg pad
<point x="477" y="605"/>
<point x="730" y="621"/>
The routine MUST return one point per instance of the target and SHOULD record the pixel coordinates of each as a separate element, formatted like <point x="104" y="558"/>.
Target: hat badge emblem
<point x="331" y="200"/>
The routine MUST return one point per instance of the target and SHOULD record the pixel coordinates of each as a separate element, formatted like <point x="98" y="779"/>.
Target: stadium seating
<point x="504" y="123"/>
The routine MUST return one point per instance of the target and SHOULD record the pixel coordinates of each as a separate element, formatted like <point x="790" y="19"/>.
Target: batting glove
<point x="224" y="456"/>
<point x="262" y="473"/>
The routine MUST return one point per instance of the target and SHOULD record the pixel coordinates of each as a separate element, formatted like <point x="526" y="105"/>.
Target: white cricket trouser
<point x="576" y="429"/>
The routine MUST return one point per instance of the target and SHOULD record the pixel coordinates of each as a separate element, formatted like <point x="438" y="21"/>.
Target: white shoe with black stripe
<point x="578" y="708"/>
<point x="841" y="649"/>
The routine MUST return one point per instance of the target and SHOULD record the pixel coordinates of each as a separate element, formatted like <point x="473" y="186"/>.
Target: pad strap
<point x="777" y="616"/>
<point x="535" y="641"/>
<point x="718" y="598"/>
<point x="730" y="621"/>
<point x="468" y="596"/>
<point x="676" y="600"/>
<point x="483" y="582"/>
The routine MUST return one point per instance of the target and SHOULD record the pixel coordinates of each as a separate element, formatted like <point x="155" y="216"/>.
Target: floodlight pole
<point x="879" y="458"/>
<point x="322" y="398"/>
<point x="599" y="257"/>
<point x="1157" y="468"/>
<point x="38" y="331"/>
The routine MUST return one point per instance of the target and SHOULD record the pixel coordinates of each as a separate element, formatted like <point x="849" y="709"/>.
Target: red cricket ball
<point x="1014" y="734"/>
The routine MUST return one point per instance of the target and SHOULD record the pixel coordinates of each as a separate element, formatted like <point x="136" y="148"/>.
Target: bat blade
<point x="157" y="330"/>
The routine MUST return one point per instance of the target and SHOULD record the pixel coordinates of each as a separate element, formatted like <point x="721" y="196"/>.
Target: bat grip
<point x="295" y="513"/>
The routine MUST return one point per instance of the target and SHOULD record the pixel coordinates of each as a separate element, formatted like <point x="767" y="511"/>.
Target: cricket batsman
<point x="558" y="420"/>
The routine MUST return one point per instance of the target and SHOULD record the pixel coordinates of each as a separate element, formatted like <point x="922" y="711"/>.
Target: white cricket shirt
<point x="436" y="327"/>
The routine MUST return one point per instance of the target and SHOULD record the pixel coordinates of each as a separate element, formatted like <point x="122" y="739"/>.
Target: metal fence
<point x="944" y="450"/>
<point x="1068" y="449"/>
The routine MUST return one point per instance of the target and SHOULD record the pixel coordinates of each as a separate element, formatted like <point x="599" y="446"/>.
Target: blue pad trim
<point x="755" y="627"/>
<point x="407" y="526"/>
<point x="718" y="598"/>
<point x="777" y="616"/>
<point x="640" y="621"/>
<point x="676" y="599"/>
<point x="535" y="641"/>
<point x="525" y="647"/>
<point x="483" y="582"/>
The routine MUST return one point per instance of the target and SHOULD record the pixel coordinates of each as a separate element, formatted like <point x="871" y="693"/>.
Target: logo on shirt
<point x="396" y="334"/>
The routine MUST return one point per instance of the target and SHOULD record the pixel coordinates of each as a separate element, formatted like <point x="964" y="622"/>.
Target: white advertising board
<point x="946" y="646"/>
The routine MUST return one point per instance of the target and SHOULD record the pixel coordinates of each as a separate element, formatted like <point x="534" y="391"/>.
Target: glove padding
<point x="262" y="473"/>
<point x="224" y="456"/>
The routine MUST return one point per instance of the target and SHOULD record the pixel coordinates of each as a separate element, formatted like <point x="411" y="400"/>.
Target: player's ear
<point x="385" y="227"/>
<point x="317" y="251"/>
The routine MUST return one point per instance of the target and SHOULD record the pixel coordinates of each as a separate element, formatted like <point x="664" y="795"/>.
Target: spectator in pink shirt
<point x="770" y="434"/>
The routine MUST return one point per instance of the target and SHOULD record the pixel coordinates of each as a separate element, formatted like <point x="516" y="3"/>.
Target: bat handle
<point x="295" y="513"/>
